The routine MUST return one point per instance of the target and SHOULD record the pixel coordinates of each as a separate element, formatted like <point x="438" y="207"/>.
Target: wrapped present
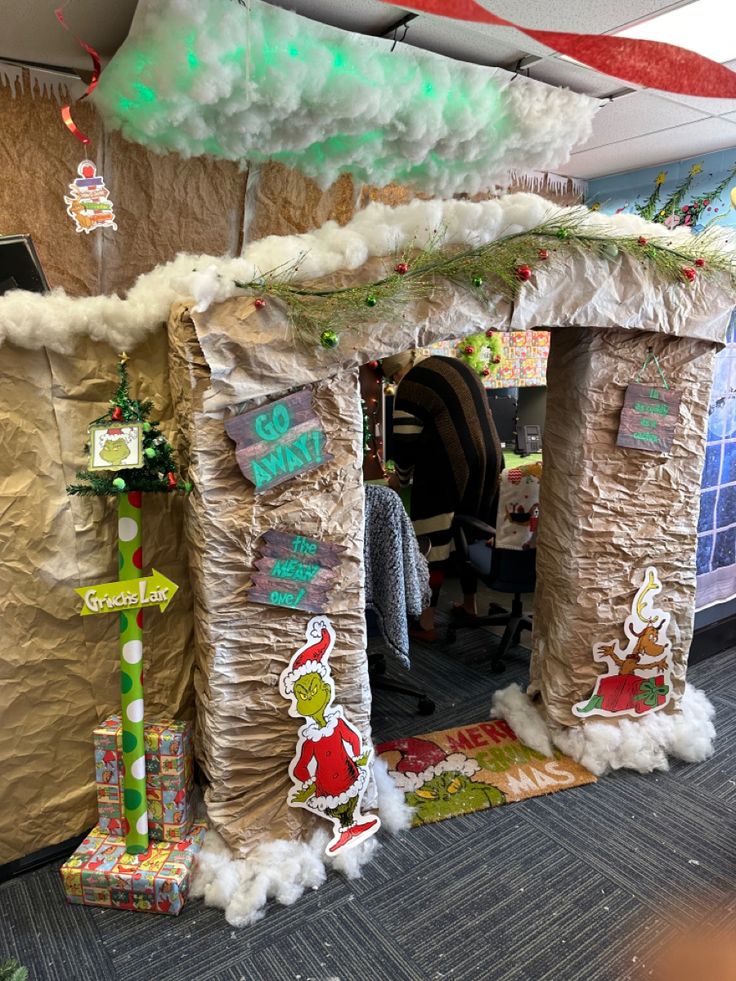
<point x="169" y="779"/>
<point x="101" y="873"/>
<point x="621" y="693"/>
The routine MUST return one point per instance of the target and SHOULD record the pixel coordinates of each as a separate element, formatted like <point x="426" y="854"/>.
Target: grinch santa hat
<point x="312" y="658"/>
<point x="423" y="760"/>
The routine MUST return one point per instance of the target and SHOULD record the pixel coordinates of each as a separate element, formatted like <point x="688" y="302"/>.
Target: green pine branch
<point x="12" y="971"/>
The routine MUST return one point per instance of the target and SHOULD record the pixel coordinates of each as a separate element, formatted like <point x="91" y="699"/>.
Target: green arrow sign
<point x="131" y="594"/>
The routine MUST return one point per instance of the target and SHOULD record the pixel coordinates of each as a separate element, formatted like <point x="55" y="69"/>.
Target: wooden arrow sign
<point x="129" y="594"/>
<point x="295" y="571"/>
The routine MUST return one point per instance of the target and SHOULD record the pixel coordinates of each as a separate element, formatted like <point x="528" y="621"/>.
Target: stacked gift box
<point x="101" y="872"/>
<point x="169" y="779"/>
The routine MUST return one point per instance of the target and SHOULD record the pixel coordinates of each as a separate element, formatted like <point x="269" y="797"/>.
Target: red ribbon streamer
<point x="651" y="64"/>
<point x="66" y="111"/>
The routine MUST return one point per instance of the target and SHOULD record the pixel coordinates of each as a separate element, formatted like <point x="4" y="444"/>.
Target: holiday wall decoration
<point x="252" y="82"/>
<point x="649" y="418"/>
<point x="88" y="204"/>
<point x="330" y="766"/>
<point x="278" y="441"/>
<point x="295" y="571"/>
<point x="637" y="679"/>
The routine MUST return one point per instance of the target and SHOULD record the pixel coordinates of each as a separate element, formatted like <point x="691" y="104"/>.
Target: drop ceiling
<point x="636" y="128"/>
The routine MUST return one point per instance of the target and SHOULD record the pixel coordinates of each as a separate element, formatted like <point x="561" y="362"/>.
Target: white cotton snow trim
<point x="278" y="870"/>
<point x="644" y="744"/>
<point x="56" y="321"/>
<point x="454" y="763"/>
<point x="260" y="83"/>
<point x="395" y="813"/>
<point x="633" y="744"/>
<point x="512" y="705"/>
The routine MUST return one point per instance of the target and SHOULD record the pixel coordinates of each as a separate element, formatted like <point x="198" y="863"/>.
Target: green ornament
<point x="477" y="281"/>
<point x="329" y="338"/>
<point x="149" y="452"/>
<point x="146" y="427"/>
<point x="370" y="300"/>
<point x="188" y="485"/>
<point x="563" y="233"/>
<point x="609" y="250"/>
<point x="119" y="483"/>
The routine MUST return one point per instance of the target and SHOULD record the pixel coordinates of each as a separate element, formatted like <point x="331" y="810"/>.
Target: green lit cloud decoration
<point x="211" y="77"/>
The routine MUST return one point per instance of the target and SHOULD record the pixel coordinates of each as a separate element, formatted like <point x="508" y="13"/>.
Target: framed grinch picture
<point x="117" y="447"/>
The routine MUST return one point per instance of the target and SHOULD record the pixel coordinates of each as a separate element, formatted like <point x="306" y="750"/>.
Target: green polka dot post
<point x="131" y="684"/>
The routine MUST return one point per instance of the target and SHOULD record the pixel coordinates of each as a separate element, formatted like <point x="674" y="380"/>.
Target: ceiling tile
<point x="363" y="16"/>
<point x="581" y="16"/>
<point x="677" y="143"/>
<point x="557" y="71"/>
<point x="487" y="46"/>
<point x="637" y="114"/>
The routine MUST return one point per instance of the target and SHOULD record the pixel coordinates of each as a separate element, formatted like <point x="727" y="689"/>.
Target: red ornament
<point x="490" y="332"/>
<point x="486" y="372"/>
<point x="373" y="365"/>
<point x="497" y="359"/>
<point x="700" y="263"/>
<point x="171" y="478"/>
<point x="642" y="241"/>
<point x="689" y="273"/>
<point x="469" y="349"/>
<point x="117" y="413"/>
<point x="707" y="201"/>
<point x="543" y="253"/>
<point x="523" y="273"/>
<point x="401" y="268"/>
<point x="259" y="303"/>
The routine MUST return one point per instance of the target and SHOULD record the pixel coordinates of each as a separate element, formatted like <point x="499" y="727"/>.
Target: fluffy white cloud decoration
<point x="260" y="83"/>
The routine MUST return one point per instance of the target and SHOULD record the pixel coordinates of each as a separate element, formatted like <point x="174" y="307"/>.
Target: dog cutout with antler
<point x="638" y="676"/>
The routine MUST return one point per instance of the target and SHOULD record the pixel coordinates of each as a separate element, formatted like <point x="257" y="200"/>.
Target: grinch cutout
<point x="330" y="768"/>
<point x="638" y="677"/>
<point x="438" y="785"/>
<point x="89" y="206"/>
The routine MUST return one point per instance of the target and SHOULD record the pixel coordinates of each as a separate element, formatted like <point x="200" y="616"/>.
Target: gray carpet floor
<point x="577" y="885"/>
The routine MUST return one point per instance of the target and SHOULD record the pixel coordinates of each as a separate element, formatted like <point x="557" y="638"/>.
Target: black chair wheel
<point x="451" y="635"/>
<point x="498" y="667"/>
<point x="426" y="706"/>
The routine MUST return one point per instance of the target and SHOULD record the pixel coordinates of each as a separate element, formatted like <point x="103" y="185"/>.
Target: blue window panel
<point x="725" y="551"/>
<point x="705" y="547"/>
<point x="729" y="463"/>
<point x="707" y="510"/>
<point x="712" y="468"/>
<point x="726" y="508"/>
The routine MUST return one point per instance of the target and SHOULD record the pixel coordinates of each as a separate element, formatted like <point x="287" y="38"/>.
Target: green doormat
<point x="458" y="771"/>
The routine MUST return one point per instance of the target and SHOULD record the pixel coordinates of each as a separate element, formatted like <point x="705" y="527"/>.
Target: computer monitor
<point x="20" y="267"/>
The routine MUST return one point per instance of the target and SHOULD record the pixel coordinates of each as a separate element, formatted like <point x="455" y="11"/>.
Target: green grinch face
<point x="312" y="694"/>
<point x="451" y="793"/>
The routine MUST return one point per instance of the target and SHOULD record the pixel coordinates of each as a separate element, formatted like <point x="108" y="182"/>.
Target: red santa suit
<point x="324" y="759"/>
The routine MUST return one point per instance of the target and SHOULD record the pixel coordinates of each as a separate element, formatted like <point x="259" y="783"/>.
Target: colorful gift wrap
<point x="169" y="781"/>
<point x="622" y="692"/>
<point x="101" y="873"/>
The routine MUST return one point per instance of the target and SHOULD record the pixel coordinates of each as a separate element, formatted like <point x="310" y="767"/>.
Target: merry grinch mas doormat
<point x="458" y="771"/>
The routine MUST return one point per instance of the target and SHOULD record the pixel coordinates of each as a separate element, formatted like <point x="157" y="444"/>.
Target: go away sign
<point x="278" y="441"/>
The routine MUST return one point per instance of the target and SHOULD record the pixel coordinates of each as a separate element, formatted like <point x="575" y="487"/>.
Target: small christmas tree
<point x="158" y="470"/>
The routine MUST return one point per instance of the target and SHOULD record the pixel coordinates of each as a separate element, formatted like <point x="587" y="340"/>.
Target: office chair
<point x="503" y="570"/>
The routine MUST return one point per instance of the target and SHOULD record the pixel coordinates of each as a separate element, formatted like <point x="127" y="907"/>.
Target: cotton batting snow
<point x="255" y="82"/>
<point x="642" y="744"/>
<point x="55" y="320"/>
<point x="283" y="870"/>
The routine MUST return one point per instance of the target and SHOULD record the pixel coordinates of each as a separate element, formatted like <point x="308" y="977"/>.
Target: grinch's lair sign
<point x="278" y="441"/>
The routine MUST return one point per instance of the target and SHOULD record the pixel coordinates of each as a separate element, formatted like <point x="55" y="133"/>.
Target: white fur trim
<point x="456" y="762"/>
<point x="356" y="788"/>
<point x="313" y="733"/>
<point x="310" y="667"/>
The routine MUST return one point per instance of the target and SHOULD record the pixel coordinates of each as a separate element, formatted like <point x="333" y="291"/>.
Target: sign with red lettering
<point x="295" y="571"/>
<point x="278" y="441"/>
<point x="648" y="419"/>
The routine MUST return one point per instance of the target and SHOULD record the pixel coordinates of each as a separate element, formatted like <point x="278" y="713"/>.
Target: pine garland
<point x="158" y="472"/>
<point x="490" y="271"/>
<point x="12" y="971"/>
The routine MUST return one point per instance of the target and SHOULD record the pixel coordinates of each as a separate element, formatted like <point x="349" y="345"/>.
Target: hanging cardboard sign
<point x="648" y="418"/>
<point x="116" y="447"/>
<point x="278" y="441"/>
<point x="295" y="571"/>
<point x="330" y="768"/>
<point x="637" y="679"/>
